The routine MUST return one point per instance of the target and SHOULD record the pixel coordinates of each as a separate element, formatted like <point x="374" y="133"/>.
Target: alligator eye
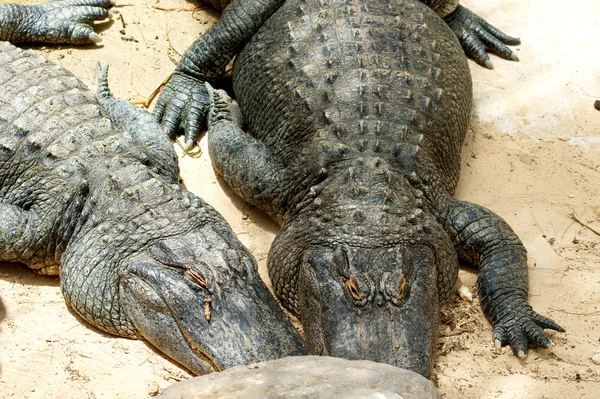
<point x="353" y="288"/>
<point x="402" y="286"/>
<point x="196" y="276"/>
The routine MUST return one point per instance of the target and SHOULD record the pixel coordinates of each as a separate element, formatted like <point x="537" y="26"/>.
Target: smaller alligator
<point x="88" y="192"/>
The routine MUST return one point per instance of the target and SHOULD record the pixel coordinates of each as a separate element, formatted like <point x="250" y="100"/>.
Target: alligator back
<point x="55" y="139"/>
<point x="339" y="79"/>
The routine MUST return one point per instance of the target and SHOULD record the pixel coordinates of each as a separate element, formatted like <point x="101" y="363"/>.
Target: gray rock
<point x="307" y="377"/>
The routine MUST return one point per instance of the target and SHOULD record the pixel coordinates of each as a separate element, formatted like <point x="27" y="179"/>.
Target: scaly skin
<point x="184" y="101"/>
<point x="64" y="21"/>
<point x="356" y="111"/>
<point x="89" y="192"/>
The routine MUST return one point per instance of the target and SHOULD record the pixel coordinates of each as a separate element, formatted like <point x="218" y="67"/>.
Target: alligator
<point x="89" y="192"/>
<point x="356" y="111"/>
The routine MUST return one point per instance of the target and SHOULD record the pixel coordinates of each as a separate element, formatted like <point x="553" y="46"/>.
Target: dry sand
<point x="531" y="155"/>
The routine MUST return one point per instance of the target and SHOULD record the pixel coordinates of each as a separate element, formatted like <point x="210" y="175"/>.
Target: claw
<point x="189" y="144"/>
<point x="478" y="37"/>
<point x="497" y="344"/>
<point x="521" y="354"/>
<point x="95" y="37"/>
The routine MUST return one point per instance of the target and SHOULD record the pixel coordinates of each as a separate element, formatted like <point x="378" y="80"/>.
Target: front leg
<point x="245" y="163"/>
<point x="184" y="100"/>
<point x="485" y="240"/>
<point x="476" y="36"/>
<point x="65" y="21"/>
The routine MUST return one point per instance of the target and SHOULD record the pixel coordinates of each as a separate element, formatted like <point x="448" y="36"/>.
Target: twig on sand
<point x="456" y="331"/>
<point x="197" y="8"/>
<point x="583" y="223"/>
<point x="145" y="102"/>
<point x="140" y="29"/>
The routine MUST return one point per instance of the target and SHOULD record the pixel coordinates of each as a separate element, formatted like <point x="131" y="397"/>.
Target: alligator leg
<point x="28" y="233"/>
<point x="244" y="162"/>
<point x="476" y="36"/>
<point x="64" y="21"/>
<point x="485" y="240"/>
<point x="16" y="234"/>
<point x="184" y="100"/>
<point x="474" y="33"/>
<point x="142" y="127"/>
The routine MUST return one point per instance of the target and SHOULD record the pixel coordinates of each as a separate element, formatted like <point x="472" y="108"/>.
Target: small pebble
<point x="571" y="196"/>
<point x="596" y="359"/>
<point x="597" y="104"/>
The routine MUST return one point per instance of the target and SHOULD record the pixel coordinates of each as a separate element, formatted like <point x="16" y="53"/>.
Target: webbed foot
<point x="477" y="36"/>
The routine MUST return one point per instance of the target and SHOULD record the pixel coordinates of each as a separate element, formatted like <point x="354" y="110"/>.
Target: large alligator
<point x="89" y="192"/>
<point x="356" y="111"/>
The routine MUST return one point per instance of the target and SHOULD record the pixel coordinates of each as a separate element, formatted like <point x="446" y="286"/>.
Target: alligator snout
<point x="378" y="304"/>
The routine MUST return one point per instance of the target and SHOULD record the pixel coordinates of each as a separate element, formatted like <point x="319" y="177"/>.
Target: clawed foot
<point x="522" y="327"/>
<point x="183" y="104"/>
<point x="476" y="36"/>
<point x="63" y="21"/>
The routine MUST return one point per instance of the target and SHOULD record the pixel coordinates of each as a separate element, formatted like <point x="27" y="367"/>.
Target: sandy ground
<point x="531" y="155"/>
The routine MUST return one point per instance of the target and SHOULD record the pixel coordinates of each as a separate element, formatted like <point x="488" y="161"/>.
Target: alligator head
<point x="199" y="299"/>
<point x="366" y="279"/>
<point x="379" y="304"/>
